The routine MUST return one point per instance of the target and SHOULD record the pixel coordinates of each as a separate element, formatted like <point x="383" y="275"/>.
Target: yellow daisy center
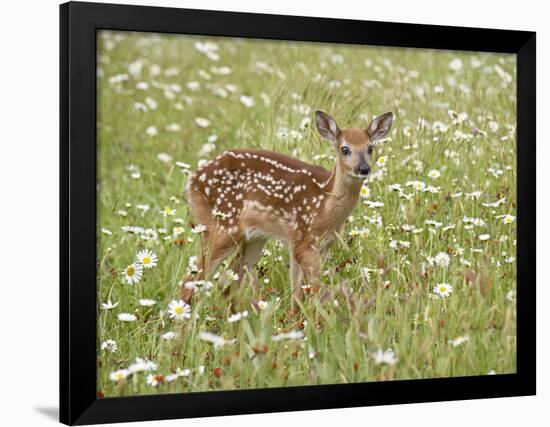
<point x="130" y="271"/>
<point x="178" y="310"/>
<point x="442" y="289"/>
<point x="146" y="260"/>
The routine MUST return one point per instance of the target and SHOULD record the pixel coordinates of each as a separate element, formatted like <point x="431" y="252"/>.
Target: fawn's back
<point x="251" y="193"/>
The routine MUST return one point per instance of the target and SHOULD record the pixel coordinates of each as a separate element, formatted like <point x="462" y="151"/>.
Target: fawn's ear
<point x="380" y="126"/>
<point x="327" y="127"/>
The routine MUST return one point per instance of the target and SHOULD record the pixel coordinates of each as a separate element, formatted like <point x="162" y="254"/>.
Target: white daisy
<point x="119" y="375"/>
<point x="198" y="229"/>
<point x="202" y="122"/>
<point x="365" y="191"/>
<point x="434" y="174"/>
<point x="484" y="237"/>
<point x="381" y="162"/>
<point x="508" y="219"/>
<point x="387" y="357"/>
<point x="108" y="305"/>
<point x="237" y="316"/>
<point x="231" y="275"/>
<point x="442" y="259"/>
<point x="109" y="345"/>
<point x="154" y="379"/>
<point x="247" y="101"/>
<point x="126" y="317"/>
<point x="459" y="341"/>
<point x="147" y="258"/>
<point x="179" y="310"/>
<point x="169" y="335"/>
<point x="151" y="131"/>
<point x="292" y="335"/>
<point x="443" y="290"/>
<point x="141" y="365"/>
<point x="214" y="339"/>
<point x="147" y="302"/>
<point x="168" y="211"/>
<point x="133" y="273"/>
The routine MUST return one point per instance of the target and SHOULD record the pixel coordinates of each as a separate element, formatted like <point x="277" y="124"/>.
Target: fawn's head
<point x="354" y="146"/>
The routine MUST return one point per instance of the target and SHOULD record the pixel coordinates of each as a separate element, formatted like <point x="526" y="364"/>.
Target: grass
<point x="454" y="113"/>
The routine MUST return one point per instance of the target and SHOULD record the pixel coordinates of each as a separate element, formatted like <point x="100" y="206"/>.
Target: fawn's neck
<point x="342" y="195"/>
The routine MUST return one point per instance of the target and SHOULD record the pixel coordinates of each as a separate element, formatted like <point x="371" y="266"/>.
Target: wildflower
<point x="442" y="259"/>
<point x="151" y="131"/>
<point x="434" y="174"/>
<point x="262" y="304"/>
<point x="154" y="379"/>
<point x="381" y="162"/>
<point x="484" y="237"/>
<point x="494" y="204"/>
<point x="133" y="273"/>
<point x="231" y="275"/>
<point x="199" y="285"/>
<point x="202" y="122"/>
<point x="365" y="191"/>
<point x="511" y="295"/>
<point x="417" y="185"/>
<point x="147" y="302"/>
<point x="198" y="229"/>
<point x="459" y="341"/>
<point x="141" y="365"/>
<point x="237" y="316"/>
<point x="168" y="211"/>
<point x="169" y="335"/>
<point x="179" y="310"/>
<point x="304" y="123"/>
<point x="176" y="231"/>
<point x="443" y="290"/>
<point x="387" y="357"/>
<point x="108" y="305"/>
<point x="292" y="335"/>
<point x="147" y="258"/>
<point x="508" y="219"/>
<point x="354" y="232"/>
<point x="119" y="375"/>
<point x="455" y="64"/>
<point x="247" y="101"/>
<point x="214" y="339"/>
<point x="364" y="232"/>
<point x="164" y="158"/>
<point x="127" y="317"/>
<point x="109" y="345"/>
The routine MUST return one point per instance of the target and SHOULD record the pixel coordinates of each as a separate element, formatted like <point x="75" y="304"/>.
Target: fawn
<point x="244" y="196"/>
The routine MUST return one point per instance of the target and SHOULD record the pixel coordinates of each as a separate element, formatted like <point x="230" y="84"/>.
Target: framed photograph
<point x="268" y="213"/>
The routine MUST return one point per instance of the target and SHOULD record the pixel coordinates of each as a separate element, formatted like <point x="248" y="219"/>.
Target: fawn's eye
<point x="370" y="149"/>
<point x="345" y="150"/>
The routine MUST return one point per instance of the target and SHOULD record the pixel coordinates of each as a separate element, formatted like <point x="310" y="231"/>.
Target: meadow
<point x="423" y="279"/>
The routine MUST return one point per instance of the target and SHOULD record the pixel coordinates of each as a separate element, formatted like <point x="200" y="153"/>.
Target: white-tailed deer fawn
<point x="244" y="197"/>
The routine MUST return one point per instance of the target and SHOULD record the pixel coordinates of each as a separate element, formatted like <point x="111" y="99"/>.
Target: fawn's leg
<point x="216" y="247"/>
<point x="248" y="254"/>
<point x="250" y="251"/>
<point x="297" y="293"/>
<point x="308" y="257"/>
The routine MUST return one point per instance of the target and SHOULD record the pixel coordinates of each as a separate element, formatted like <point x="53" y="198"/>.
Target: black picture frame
<point x="78" y="25"/>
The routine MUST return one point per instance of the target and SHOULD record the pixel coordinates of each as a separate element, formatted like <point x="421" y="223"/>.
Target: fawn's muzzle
<point x="363" y="170"/>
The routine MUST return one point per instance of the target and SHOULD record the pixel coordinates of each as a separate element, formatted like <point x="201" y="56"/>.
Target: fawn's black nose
<point x="364" y="169"/>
